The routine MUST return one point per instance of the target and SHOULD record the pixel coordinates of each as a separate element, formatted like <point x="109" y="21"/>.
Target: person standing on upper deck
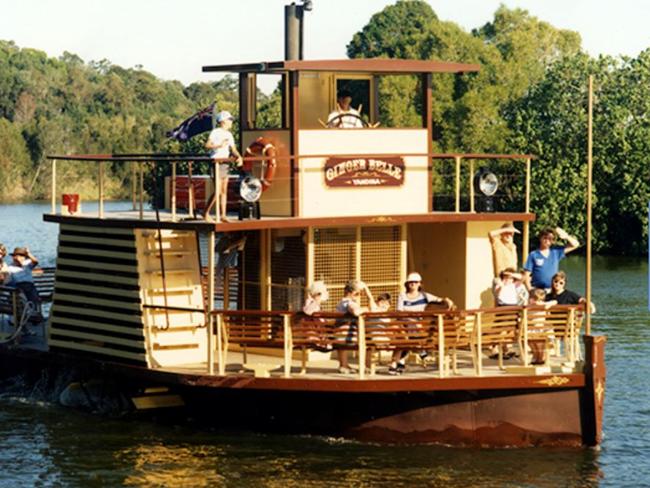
<point x="221" y="144"/>
<point x="544" y="262"/>
<point x="344" y="117"/>
<point x="504" y="251"/>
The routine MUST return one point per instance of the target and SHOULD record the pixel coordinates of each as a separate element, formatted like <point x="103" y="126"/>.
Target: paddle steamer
<point x="205" y="315"/>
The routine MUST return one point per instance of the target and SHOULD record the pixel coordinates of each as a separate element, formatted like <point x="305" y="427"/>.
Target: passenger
<point x="312" y="328"/>
<point x="414" y="299"/>
<point x="221" y="144"/>
<point x="536" y="319"/>
<point x="544" y="262"/>
<point x="505" y="288"/>
<point x="316" y="294"/>
<point x="504" y="251"/>
<point x="344" y="117"/>
<point x="560" y="295"/>
<point x="4" y="269"/>
<point x="350" y="306"/>
<point x="509" y="290"/>
<point x="20" y="276"/>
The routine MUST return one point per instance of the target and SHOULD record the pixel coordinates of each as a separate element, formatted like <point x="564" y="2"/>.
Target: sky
<point x="174" y="39"/>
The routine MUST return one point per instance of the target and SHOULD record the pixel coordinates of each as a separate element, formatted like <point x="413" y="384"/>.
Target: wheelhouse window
<point x="268" y="101"/>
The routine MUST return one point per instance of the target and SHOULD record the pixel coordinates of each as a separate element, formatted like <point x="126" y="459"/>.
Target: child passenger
<point x="350" y="305"/>
<point x="536" y="319"/>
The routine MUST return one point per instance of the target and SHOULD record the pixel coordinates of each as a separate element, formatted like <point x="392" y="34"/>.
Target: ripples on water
<point x="43" y="444"/>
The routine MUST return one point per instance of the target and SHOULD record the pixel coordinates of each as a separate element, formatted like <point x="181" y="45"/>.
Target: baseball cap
<point x="224" y="115"/>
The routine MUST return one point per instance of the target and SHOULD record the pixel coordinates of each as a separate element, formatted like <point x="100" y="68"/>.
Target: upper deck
<point x="385" y="171"/>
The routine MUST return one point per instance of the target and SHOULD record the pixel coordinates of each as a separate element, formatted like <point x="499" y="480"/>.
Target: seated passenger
<point x="20" y="276"/>
<point x="560" y="295"/>
<point x="414" y="299"/>
<point x="509" y="289"/>
<point x="316" y="294"/>
<point x="4" y="269"/>
<point x="344" y="117"/>
<point x="350" y="305"/>
<point x="536" y="320"/>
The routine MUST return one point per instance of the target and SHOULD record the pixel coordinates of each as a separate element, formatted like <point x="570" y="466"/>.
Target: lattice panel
<point x="380" y="254"/>
<point x="334" y="255"/>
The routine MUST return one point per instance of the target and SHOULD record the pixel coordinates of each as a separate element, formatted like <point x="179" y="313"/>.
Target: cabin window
<point x="400" y="101"/>
<point x="359" y="88"/>
<point x="268" y="101"/>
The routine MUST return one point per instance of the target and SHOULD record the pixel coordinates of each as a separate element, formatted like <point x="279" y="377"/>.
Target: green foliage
<point x="64" y="106"/>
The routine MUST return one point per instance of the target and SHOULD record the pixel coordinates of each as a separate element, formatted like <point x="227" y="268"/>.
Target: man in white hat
<point x="504" y="251"/>
<point x="221" y="144"/>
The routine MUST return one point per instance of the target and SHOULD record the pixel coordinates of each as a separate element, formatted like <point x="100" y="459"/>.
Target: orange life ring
<point x="265" y="148"/>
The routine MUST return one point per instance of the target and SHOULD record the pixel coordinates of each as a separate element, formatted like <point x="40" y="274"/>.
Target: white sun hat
<point x="319" y="287"/>
<point x="413" y="277"/>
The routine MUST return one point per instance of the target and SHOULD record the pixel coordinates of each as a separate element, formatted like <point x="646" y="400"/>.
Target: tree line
<point x="529" y="97"/>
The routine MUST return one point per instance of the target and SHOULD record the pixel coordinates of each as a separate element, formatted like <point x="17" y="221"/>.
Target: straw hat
<point x="508" y="226"/>
<point x="20" y="251"/>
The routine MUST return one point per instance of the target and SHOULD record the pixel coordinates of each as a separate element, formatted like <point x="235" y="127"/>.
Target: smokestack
<point x="293" y="21"/>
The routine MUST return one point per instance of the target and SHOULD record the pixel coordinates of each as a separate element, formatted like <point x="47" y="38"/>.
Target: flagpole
<point x="589" y="202"/>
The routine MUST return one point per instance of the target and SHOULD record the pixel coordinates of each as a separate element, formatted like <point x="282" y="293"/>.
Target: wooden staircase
<point x="174" y="337"/>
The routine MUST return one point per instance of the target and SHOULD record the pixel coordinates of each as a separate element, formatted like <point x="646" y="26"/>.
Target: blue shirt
<point x="542" y="268"/>
<point x="21" y="274"/>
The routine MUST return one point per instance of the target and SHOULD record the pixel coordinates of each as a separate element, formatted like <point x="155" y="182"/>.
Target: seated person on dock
<point x="414" y="299"/>
<point x="560" y="295"/>
<point x="350" y="306"/>
<point x="344" y="117"/>
<point x="221" y="144"/>
<point x="20" y="276"/>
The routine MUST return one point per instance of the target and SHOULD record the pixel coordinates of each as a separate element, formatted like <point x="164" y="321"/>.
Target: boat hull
<point x="563" y="410"/>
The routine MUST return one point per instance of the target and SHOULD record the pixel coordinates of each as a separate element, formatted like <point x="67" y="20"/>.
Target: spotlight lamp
<point x="486" y="184"/>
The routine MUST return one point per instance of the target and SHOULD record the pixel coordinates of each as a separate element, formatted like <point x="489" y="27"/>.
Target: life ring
<point x="262" y="147"/>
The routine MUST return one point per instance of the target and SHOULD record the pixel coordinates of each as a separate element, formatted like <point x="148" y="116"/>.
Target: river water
<point x="44" y="444"/>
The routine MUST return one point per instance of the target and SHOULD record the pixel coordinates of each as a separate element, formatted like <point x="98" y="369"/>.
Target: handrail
<point x="279" y="328"/>
<point x="138" y="159"/>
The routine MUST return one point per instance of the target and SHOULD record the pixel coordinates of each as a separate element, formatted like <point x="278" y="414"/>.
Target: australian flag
<point x="196" y="124"/>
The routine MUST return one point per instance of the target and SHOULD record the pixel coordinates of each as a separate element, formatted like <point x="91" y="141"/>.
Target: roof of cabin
<point x="371" y="65"/>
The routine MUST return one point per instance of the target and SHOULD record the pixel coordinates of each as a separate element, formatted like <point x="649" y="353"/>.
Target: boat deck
<point x="147" y="219"/>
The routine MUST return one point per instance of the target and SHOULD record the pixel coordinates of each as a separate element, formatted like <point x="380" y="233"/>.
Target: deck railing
<point x="434" y="170"/>
<point x="441" y="333"/>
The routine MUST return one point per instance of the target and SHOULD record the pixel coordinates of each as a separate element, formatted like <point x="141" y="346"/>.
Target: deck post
<point x="457" y="186"/>
<point x="173" y="192"/>
<point x="100" y="177"/>
<point x="53" y="190"/>
<point x="190" y="190"/>
<point x="288" y="344"/>
<point x="441" y="347"/>
<point x="479" y="346"/>
<point x="134" y="183"/>
<point x="572" y="335"/>
<point x="471" y="186"/>
<point x="526" y="237"/>
<point x="141" y="170"/>
<point x="361" y="339"/>
<point x="524" y="328"/>
<point x="210" y="307"/>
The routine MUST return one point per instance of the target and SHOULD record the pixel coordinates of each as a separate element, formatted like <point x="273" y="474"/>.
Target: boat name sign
<point x="346" y="172"/>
